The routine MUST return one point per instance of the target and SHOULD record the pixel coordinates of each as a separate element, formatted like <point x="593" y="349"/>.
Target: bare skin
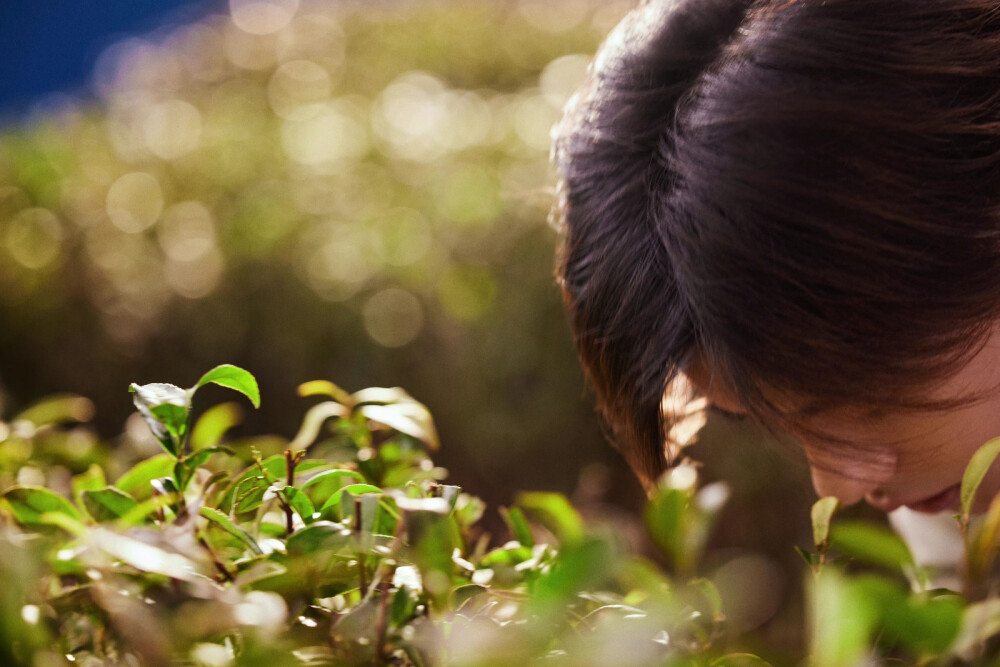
<point x="896" y="458"/>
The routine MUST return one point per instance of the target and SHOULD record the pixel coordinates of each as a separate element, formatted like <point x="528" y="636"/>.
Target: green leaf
<point x="90" y="480"/>
<point x="409" y="417"/>
<point x="740" y="660"/>
<point x="710" y="592"/>
<point x="58" y="409"/>
<point x="325" y="388"/>
<point x="313" y="421"/>
<point x="213" y="424"/>
<point x="583" y="565"/>
<point x="978" y="466"/>
<point x="329" y="475"/>
<point x="333" y="502"/>
<point x="518" y="525"/>
<point x="843" y="619"/>
<point x="870" y="543"/>
<point x="247" y="490"/>
<point x="555" y="512"/>
<point x="145" y="557"/>
<point x="29" y="503"/>
<point x="665" y="522"/>
<point x="811" y="559"/>
<point x="174" y="417"/>
<point x="300" y="503"/>
<point x="980" y="623"/>
<point x="232" y="377"/>
<point x="185" y="468"/>
<point x="923" y="625"/>
<point x="431" y="540"/>
<point x="149" y="399"/>
<point x="822" y="514"/>
<point x="107" y="504"/>
<point x="136" y="481"/>
<point x="404" y="603"/>
<point x="321" y="534"/>
<point x="231" y="527"/>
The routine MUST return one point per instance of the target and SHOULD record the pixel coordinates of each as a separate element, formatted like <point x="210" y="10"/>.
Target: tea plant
<point x="338" y="546"/>
<point x="342" y="545"/>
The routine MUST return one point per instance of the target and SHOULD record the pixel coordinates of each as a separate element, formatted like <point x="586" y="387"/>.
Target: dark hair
<point x="802" y="196"/>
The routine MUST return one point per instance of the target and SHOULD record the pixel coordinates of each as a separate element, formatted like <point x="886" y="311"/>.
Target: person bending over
<point x="791" y="210"/>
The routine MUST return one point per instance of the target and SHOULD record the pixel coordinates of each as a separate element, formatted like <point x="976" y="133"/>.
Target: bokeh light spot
<point x="134" y="202"/>
<point x="172" y="129"/>
<point x="402" y="236"/>
<point x="561" y="77"/>
<point x="338" y="268"/>
<point x="33" y="237"/>
<point x="554" y="16"/>
<point x="331" y="135"/>
<point x="262" y="17"/>
<point x="469" y="195"/>
<point x="467" y="293"/>
<point x="186" y="232"/>
<point x="393" y="317"/>
<point x="195" y="278"/>
<point x="297" y="89"/>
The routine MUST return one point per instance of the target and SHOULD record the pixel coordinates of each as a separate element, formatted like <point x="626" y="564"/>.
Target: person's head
<point x="795" y="204"/>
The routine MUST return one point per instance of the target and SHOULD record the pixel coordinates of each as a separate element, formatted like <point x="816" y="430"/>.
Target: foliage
<point x="373" y="177"/>
<point x="342" y="545"/>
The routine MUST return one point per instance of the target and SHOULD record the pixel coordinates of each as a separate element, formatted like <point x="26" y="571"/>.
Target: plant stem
<point x="290" y="481"/>
<point x="380" y="626"/>
<point x="361" y="553"/>
<point x="223" y="570"/>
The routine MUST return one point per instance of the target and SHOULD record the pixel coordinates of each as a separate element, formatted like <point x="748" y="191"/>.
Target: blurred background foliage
<point x="354" y="191"/>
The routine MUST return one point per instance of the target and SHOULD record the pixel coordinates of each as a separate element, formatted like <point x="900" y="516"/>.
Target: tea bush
<point x="342" y="545"/>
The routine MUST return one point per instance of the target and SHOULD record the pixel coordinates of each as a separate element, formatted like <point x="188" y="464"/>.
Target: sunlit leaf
<point x="842" y="620"/>
<point x="410" y="418"/>
<point x="313" y="421"/>
<point x="980" y="623"/>
<point x="581" y="565"/>
<point x="555" y="512"/>
<point x="871" y="544"/>
<point x="145" y="557"/>
<point x="136" y="480"/>
<point x="58" y="409"/>
<point x="232" y="377"/>
<point x="165" y="408"/>
<point x="431" y="544"/>
<point x="185" y="468"/>
<point x="325" y="388"/>
<point x="710" y="592"/>
<point x="981" y="547"/>
<point x="822" y="514"/>
<point x="213" y="424"/>
<point x="107" y="504"/>
<point x="338" y="475"/>
<point x="518" y="525"/>
<point x="321" y="534"/>
<point x="665" y="519"/>
<point x="299" y="502"/>
<point x="740" y="660"/>
<point x="90" y="480"/>
<point x="923" y="625"/>
<point x="334" y="501"/>
<point x="231" y="527"/>
<point x="975" y="471"/>
<point x="29" y="503"/>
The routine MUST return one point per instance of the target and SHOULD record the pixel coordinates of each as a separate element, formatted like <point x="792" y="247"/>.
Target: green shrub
<point x="342" y="546"/>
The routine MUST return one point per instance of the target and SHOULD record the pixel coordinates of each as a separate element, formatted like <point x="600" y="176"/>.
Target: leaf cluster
<point x="342" y="545"/>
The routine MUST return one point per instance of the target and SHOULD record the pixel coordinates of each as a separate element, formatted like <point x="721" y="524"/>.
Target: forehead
<point x="976" y="379"/>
